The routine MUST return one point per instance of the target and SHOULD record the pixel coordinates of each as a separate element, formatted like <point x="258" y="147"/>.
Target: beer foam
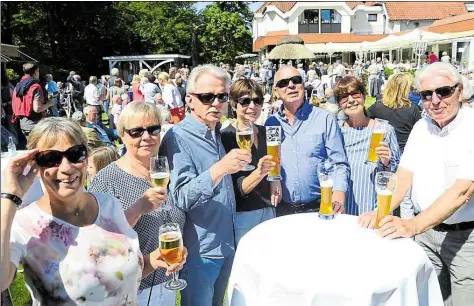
<point x="384" y="192"/>
<point x="160" y="175"/>
<point x="378" y="131"/>
<point x="170" y="236"/>
<point x="328" y="183"/>
<point x="273" y="143"/>
<point x="244" y="132"/>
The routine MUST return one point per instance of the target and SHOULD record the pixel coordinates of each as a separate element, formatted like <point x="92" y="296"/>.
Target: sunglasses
<point x="246" y="101"/>
<point x="209" y="98"/>
<point x="138" y="132"/>
<point x="285" y="82"/>
<point x="53" y="158"/>
<point x="344" y="97"/>
<point x="442" y="92"/>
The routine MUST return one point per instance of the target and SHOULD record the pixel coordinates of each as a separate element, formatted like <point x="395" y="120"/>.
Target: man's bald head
<point x="292" y="94"/>
<point x="285" y="72"/>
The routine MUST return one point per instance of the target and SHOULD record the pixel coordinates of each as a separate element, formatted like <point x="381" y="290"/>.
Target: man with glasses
<point x="438" y="165"/>
<point x="309" y="135"/>
<point x="201" y="186"/>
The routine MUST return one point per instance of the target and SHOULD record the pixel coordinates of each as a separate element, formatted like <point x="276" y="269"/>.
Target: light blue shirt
<point x="191" y="151"/>
<point x="314" y="136"/>
<point x="52" y="87"/>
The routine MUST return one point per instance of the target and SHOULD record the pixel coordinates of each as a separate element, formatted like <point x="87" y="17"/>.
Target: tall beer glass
<point x="171" y="249"/>
<point x="244" y="137"/>
<point x="385" y="184"/>
<point x="160" y="175"/>
<point x="326" y="182"/>
<point x="273" y="148"/>
<point x="378" y="135"/>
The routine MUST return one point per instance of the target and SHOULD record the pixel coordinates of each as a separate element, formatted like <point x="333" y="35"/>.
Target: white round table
<point x="300" y="260"/>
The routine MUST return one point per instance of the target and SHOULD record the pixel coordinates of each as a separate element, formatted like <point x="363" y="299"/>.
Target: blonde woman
<point x="99" y="159"/>
<point x="76" y="247"/>
<point x="396" y="106"/>
<point x="137" y="94"/>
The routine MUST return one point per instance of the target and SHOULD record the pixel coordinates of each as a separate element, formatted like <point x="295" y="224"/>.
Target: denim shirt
<point x="314" y="137"/>
<point x="191" y="151"/>
<point x="101" y="133"/>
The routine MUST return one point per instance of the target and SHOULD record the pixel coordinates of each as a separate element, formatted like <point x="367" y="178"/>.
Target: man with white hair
<point x="302" y="72"/>
<point x="114" y="74"/>
<point x="172" y="98"/>
<point x="201" y="186"/>
<point x="93" y="122"/>
<point x="92" y="94"/>
<point x="437" y="164"/>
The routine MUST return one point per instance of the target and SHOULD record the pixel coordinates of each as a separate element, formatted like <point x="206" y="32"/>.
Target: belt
<point x="312" y="206"/>
<point x="443" y="227"/>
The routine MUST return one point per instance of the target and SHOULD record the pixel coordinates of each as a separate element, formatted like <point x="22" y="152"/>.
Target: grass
<point x="19" y="292"/>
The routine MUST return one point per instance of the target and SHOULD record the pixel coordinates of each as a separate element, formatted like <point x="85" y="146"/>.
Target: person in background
<point x="92" y="95"/>
<point x="445" y="58"/>
<point x="164" y="110"/>
<point x="93" y="140"/>
<point x="255" y="197"/>
<point x="137" y="94"/>
<point x="92" y="122"/>
<point x="181" y="89"/>
<point x="433" y="58"/>
<point x="53" y="91"/>
<point x="116" y="90"/>
<point x="150" y="88"/>
<point x="99" y="159"/>
<point x="357" y="130"/>
<point x="172" y="98"/>
<point x="302" y="72"/>
<point x="114" y="74"/>
<point x="13" y="127"/>
<point x="117" y="107"/>
<point x="75" y="246"/>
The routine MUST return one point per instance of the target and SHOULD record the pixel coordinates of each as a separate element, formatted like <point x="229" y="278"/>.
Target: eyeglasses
<point x="138" y="132"/>
<point x="246" y="101"/>
<point x="442" y="92"/>
<point x="285" y="82"/>
<point x="209" y="98"/>
<point x="344" y="97"/>
<point x="53" y="158"/>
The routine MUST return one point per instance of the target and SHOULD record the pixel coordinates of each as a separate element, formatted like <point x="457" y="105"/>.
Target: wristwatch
<point x="15" y="199"/>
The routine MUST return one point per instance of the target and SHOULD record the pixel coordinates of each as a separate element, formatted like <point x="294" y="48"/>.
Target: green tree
<point x="226" y="32"/>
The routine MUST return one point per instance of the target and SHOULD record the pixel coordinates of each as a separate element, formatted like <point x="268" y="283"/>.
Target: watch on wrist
<point x="15" y="199"/>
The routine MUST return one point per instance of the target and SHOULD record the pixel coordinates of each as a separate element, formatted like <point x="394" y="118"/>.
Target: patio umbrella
<point x="291" y="47"/>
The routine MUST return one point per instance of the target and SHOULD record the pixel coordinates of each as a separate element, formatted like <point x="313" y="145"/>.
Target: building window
<point x="372" y="17"/>
<point x="330" y="21"/>
<point x="308" y="21"/>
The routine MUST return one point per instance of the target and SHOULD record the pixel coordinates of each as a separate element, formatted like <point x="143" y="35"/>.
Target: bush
<point x="12" y="75"/>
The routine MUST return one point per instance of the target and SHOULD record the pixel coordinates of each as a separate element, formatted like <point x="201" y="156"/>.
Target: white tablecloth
<point x="300" y="260"/>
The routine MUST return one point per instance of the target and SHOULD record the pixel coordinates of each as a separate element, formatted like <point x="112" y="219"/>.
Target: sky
<point x="202" y="4"/>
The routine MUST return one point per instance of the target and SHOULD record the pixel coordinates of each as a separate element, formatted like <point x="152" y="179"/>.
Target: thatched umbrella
<point x="290" y="47"/>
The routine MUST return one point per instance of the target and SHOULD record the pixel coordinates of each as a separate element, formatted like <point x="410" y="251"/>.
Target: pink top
<point x="137" y="94"/>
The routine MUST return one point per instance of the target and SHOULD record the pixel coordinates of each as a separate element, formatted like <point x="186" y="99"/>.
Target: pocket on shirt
<point x="315" y="145"/>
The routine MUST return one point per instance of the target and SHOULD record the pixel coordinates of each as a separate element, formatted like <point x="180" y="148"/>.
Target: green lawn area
<point x="18" y="291"/>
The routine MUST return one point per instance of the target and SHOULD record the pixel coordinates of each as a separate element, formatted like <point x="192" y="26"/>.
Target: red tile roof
<point x="282" y="6"/>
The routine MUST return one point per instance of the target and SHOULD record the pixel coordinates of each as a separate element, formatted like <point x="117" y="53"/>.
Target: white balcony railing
<point x="370" y="30"/>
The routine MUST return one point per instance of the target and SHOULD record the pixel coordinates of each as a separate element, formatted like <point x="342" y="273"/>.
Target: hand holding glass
<point x="385" y="184"/>
<point x="244" y="137"/>
<point x="378" y="135"/>
<point x="273" y="134"/>
<point x="171" y="249"/>
<point x="160" y="175"/>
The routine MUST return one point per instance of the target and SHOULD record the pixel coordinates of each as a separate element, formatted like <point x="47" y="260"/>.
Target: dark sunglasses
<point x="246" y="101"/>
<point x="344" y="97"/>
<point x="53" y="158"/>
<point x="285" y="82"/>
<point x="138" y="132"/>
<point x="209" y="98"/>
<point x="442" y="92"/>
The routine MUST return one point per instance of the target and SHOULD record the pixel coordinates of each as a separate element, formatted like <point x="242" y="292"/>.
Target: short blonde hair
<point x="136" y="79"/>
<point x="136" y="112"/>
<point x="397" y="90"/>
<point x="49" y="131"/>
<point x="163" y="76"/>
<point x="103" y="156"/>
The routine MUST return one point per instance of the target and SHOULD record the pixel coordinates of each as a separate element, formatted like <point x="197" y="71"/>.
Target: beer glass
<point x="171" y="249"/>
<point x="244" y="137"/>
<point x="160" y="175"/>
<point x="273" y="148"/>
<point x="326" y="182"/>
<point x="378" y="135"/>
<point x="385" y="184"/>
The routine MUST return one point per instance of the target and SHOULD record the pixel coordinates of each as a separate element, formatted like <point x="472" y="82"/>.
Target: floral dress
<point x="98" y="264"/>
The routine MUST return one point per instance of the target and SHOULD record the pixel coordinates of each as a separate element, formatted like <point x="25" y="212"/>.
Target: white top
<point x="99" y="264"/>
<point x="300" y="260"/>
<point x="171" y="96"/>
<point x="437" y="157"/>
<point x="92" y="95"/>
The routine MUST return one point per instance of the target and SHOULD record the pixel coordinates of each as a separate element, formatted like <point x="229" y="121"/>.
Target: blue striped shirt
<point x="361" y="196"/>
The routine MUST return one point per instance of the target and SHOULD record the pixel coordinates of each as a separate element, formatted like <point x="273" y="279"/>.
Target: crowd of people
<point x="100" y="244"/>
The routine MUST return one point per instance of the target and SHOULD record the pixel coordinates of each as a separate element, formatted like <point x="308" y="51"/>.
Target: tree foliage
<point x="76" y="35"/>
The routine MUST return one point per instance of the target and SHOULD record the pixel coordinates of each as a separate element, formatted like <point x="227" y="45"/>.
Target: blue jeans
<point x="54" y="108"/>
<point x="244" y="221"/>
<point x="106" y="107"/>
<point x="207" y="280"/>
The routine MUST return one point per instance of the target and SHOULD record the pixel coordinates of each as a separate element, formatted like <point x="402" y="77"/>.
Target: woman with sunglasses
<point x="128" y="179"/>
<point x="357" y="128"/>
<point x="255" y="196"/>
<point x="76" y="247"/>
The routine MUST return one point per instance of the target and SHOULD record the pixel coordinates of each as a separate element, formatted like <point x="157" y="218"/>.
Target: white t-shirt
<point x="171" y="96"/>
<point x="99" y="264"/>
<point x="437" y="157"/>
<point x="92" y="95"/>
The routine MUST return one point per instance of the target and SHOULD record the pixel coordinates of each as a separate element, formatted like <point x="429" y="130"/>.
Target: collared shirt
<point x="314" y="136"/>
<point x="52" y="87"/>
<point x="191" y="151"/>
<point x="171" y="96"/>
<point x="437" y="157"/>
<point x="92" y="95"/>
<point x="149" y="91"/>
<point x="102" y="133"/>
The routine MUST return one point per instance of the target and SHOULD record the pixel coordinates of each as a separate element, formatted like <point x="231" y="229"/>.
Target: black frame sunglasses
<point x="442" y="92"/>
<point x="296" y="80"/>
<point x="53" y="158"/>
<point x="246" y="101"/>
<point x="152" y="130"/>
<point x="209" y="98"/>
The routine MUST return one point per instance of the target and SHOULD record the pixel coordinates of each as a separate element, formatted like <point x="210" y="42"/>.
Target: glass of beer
<point x="160" y="175"/>
<point x="244" y="137"/>
<point x="171" y="249"/>
<point x="385" y="184"/>
<point x="326" y="172"/>
<point x="273" y="134"/>
<point x="378" y="135"/>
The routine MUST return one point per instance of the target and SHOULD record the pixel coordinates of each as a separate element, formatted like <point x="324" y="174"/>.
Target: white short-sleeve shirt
<point x="99" y="264"/>
<point x="437" y="157"/>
